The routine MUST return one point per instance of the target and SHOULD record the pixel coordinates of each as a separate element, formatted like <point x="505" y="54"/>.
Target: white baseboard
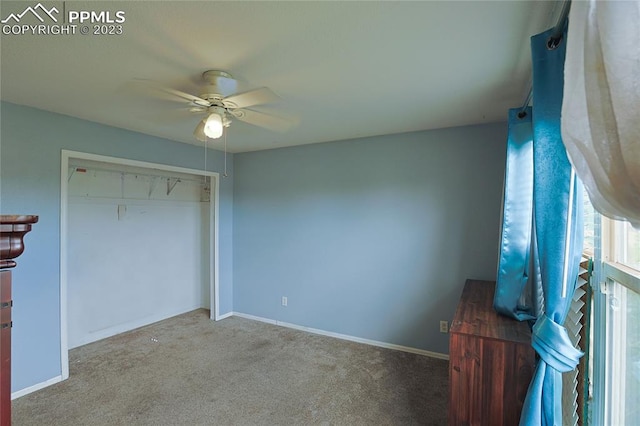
<point x="36" y="387"/>
<point x="223" y="316"/>
<point x="345" y="337"/>
<point x="131" y="325"/>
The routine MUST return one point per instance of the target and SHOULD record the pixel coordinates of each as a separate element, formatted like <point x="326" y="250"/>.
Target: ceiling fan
<point x="220" y="104"/>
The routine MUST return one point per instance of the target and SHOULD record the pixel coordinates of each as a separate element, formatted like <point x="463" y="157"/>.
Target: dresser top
<point x="15" y="219"/>
<point x="475" y="316"/>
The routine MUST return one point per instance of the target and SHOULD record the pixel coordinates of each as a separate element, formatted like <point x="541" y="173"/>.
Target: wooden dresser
<point x="491" y="361"/>
<point x="12" y="231"/>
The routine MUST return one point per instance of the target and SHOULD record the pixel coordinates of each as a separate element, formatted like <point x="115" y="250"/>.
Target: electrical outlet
<point x="444" y="326"/>
<point x="284" y="301"/>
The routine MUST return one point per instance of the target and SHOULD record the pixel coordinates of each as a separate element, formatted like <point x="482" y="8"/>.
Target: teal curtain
<point x="557" y="200"/>
<point x="542" y="234"/>
<point x="514" y="262"/>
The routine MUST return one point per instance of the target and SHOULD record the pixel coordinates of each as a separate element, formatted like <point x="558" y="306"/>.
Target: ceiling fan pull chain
<point x="225" y="154"/>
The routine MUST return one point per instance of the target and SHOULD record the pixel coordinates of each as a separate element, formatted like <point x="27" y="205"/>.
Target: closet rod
<point x="554" y="41"/>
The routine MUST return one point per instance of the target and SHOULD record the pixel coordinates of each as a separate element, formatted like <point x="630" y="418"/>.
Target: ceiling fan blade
<point x="271" y="122"/>
<point x="155" y="89"/>
<point x="260" y="96"/>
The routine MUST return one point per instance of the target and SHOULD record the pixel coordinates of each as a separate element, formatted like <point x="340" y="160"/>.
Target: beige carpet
<point x="188" y="370"/>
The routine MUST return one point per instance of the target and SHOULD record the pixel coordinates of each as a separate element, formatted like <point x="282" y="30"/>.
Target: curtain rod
<point x="558" y="30"/>
<point x="554" y="41"/>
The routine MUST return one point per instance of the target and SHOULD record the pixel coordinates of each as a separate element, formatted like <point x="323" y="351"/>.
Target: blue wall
<point x="30" y="146"/>
<point x="373" y="237"/>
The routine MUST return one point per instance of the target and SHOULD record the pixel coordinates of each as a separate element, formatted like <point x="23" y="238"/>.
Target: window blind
<point x="575" y="384"/>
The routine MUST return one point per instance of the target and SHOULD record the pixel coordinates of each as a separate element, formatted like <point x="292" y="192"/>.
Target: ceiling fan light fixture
<point x="213" y="127"/>
<point x="199" y="131"/>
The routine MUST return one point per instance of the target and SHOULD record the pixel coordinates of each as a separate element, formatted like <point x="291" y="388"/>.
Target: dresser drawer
<point x="5" y="297"/>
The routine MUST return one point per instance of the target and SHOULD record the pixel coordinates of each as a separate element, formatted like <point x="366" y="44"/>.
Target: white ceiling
<point x="343" y="69"/>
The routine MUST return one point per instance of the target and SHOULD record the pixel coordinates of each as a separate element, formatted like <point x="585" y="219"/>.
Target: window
<point x="616" y="321"/>
<point x="628" y="245"/>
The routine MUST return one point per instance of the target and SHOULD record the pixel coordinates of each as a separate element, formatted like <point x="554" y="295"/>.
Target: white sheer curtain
<point x="601" y="107"/>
